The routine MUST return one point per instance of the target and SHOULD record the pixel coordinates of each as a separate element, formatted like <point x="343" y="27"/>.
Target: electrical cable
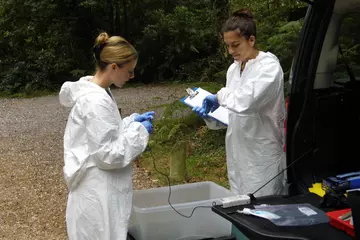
<point x="168" y="179"/>
<point x="251" y="195"/>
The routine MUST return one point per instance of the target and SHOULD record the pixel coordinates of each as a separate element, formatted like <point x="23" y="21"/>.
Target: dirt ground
<point x="33" y="193"/>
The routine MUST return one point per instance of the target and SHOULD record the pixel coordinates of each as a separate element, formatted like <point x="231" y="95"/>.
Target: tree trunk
<point x="111" y="15"/>
<point x="125" y="33"/>
<point x="178" y="162"/>
<point x="277" y="4"/>
<point x="222" y="7"/>
<point x="118" y="19"/>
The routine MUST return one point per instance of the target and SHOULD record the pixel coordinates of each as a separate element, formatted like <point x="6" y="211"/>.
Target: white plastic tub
<point x="153" y="218"/>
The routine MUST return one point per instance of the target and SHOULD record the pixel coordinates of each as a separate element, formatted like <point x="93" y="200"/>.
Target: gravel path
<point x="32" y="190"/>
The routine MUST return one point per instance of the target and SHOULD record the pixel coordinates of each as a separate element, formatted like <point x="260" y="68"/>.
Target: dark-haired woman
<point x="255" y="99"/>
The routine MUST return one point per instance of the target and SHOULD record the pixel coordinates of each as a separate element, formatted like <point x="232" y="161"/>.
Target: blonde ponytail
<point x="114" y="49"/>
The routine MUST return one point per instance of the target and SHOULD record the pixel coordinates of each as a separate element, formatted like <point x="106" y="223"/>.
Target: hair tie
<point x="97" y="50"/>
<point x="243" y="13"/>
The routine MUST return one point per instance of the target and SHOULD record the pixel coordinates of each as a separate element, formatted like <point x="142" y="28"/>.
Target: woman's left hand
<point x="148" y="116"/>
<point x="199" y="111"/>
<point x="210" y="103"/>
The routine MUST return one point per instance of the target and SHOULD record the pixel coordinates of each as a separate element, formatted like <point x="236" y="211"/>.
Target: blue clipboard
<point x="220" y="115"/>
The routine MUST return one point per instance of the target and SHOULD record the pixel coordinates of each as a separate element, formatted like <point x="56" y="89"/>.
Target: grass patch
<point x="206" y="159"/>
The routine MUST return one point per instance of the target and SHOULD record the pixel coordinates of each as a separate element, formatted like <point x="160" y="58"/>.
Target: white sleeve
<point x="110" y="144"/>
<point x="230" y="72"/>
<point x="130" y="119"/>
<point x="262" y="84"/>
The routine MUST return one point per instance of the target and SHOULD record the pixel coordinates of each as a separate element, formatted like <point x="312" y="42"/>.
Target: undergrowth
<point x="206" y="160"/>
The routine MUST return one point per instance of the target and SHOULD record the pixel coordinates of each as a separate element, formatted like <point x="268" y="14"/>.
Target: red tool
<point x="342" y="220"/>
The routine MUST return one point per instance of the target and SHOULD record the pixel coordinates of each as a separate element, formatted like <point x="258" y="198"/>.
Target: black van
<point x="323" y="122"/>
<point x="323" y="119"/>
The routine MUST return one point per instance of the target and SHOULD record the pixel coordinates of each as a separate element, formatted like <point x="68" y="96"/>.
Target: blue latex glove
<point x="210" y="103"/>
<point x="148" y="116"/>
<point x="199" y="111"/>
<point x="148" y="126"/>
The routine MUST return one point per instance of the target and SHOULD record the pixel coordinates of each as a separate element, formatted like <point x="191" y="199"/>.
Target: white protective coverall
<point x="255" y="134"/>
<point x="98" y="149"/>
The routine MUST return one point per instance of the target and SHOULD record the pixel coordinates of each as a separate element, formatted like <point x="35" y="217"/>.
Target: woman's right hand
<point x="148" y="116"/>
<point x="148" y="126"/>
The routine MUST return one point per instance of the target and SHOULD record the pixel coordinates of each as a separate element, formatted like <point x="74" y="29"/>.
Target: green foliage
<point x="181" y="42"/>
<point x="350" y="44"/>
<point x="283" y="42"/>
<point x="44" y="43"/>
<point x="206" y="153"/>
<point x="32" y="51"/>
<point x="39" y="45"/>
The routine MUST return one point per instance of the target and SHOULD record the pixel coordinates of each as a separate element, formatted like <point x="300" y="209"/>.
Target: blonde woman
<point x="99" y="145"/>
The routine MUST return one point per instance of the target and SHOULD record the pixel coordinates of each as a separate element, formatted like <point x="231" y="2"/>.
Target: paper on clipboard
<point x="221" y="114"/>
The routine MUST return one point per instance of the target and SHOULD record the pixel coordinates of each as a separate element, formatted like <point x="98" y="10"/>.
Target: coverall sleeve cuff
<point x="143" y="132"/>
<point x="221" y="95"/>
<point x="130" y="119"/>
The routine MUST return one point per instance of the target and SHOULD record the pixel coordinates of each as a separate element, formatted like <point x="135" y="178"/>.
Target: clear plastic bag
<point x="294" y="214"/>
